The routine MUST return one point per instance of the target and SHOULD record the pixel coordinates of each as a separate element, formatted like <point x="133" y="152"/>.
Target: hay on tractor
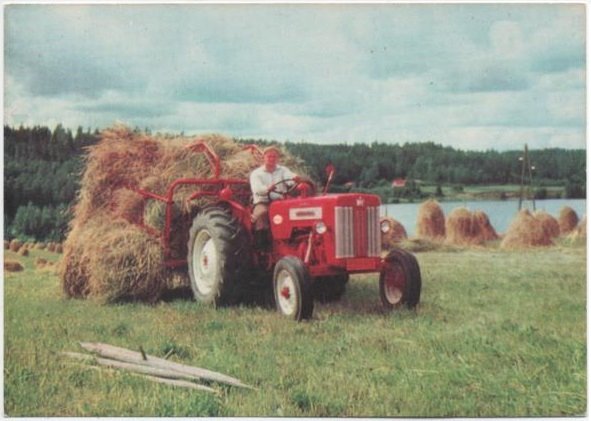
<point x="124" y="261"/>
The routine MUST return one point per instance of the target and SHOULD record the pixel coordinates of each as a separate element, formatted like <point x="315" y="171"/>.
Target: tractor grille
<point x="357" y="232"/>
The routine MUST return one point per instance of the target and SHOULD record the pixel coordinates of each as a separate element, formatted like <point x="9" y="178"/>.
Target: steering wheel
<point x="291" y="188"/>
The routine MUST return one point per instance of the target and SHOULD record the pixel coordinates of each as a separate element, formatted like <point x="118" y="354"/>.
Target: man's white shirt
<point x="261" y="180"/>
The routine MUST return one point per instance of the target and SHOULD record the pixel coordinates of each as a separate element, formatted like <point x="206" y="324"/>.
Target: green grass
<point x="496" y="334"/>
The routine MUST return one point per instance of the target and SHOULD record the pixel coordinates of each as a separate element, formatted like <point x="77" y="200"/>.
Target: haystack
<point x="567" y="220"/>
<point x="395" y="235"/>
<point x="460" y="229"/>
<point x="6" y="244"/>
<point x="484" y="229"/>
<point x="431" y="221"/>
<point x="13" y="266"/>
<point x="525" y="231"/>
<point x="15" y="245"/>
<point x="40" y="262"/>
<point x="40" y="246"/>
<point x="123" y="261"/>
<point x="23" y="251"/>
<point x="580" y="232"/>
<point x="549" y="223"/>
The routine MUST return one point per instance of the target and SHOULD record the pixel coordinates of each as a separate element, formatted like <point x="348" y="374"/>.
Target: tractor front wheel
<point x="217" y="255"/>
<point x="292" y="288"/>
<point x="400" y="280"/>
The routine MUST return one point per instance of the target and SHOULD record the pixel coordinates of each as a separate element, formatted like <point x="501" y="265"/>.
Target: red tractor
<point x="317" y="241"/>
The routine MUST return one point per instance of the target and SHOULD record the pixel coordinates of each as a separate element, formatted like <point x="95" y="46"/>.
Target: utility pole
<point x="525" y="162"/>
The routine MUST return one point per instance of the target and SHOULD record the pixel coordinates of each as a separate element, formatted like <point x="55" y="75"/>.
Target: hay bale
<point x="549" y="223"/>
<point x="431" y="221"/>
<point x="6" y="245"/>
<point x="73" y="269"/>
<point x="13" y="266"/>
<point x="125" y="264"/>
<point x="460" y="229"/>
<point x="59" y="248"/>
<point x="567" y="220"/>
<point x="40" y="246"/>
<point x="23" y="251"/>
<point x="121" y="262"/>
<point x="15" y="245"/>
<point x="525" y="231"/>
<point x="40" y="262"/>
<point x="396" y="234"/>
<point x="484" y="229"/>
<point x="51" y="247"/>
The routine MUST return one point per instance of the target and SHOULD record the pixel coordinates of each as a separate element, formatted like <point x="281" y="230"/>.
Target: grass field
<point x="496" y="334"/>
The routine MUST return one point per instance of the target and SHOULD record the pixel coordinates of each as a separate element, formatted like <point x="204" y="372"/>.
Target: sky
<point x="471" y="76"/>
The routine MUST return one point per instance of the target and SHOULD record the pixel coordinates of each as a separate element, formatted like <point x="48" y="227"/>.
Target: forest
<point x="43" y="167"/>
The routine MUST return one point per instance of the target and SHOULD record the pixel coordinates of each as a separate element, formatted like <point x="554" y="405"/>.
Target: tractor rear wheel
<point x="292" y="287"/>
<point x="217" y="255"/>
<point x="400" y="280"/>
<point x="330" y="288"/>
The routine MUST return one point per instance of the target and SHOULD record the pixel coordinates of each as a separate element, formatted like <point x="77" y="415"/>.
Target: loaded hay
<point x="525" y="231"/>
<point x="395" y="235"/>
<point x="568" y="220"/>
<point x="123" y="261"/>
<point x="431" y="221"/>
<point x="549" y="223"/>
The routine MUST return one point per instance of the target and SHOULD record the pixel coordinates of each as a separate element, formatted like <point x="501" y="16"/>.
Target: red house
<point x="398" y="182"/>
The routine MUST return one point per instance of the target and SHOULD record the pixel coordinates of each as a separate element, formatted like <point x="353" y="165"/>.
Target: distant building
<point x="398" y="182"/>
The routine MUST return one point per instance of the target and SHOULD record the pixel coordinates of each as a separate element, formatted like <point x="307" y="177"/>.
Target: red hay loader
<point x="317" y="241"/>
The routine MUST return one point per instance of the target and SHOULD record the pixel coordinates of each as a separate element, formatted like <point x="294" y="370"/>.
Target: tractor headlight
<point x="385" y="226"/>
<point x="320" y="227"/>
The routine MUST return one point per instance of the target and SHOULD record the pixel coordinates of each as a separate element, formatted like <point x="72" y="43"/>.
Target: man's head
<point x="271" y="155"/>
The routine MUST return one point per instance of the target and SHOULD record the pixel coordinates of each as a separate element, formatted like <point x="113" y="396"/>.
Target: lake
<point x="500" y="212"/>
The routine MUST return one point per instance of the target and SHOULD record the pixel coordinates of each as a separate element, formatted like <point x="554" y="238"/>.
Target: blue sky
<point x="472" y="76"/>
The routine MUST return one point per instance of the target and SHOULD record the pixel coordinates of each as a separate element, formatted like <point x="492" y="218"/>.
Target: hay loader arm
<point x="213" y="188"/>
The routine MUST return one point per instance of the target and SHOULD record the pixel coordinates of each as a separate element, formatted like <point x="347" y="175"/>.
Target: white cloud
<point x="468" y="75"/>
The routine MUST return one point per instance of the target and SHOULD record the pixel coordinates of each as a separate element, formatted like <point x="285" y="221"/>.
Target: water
<point x="500" y="212"/>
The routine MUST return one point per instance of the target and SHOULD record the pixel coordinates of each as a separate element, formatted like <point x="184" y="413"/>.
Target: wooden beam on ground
<point x="128" y="356"/>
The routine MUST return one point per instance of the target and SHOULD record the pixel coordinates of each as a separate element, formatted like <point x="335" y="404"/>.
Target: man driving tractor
<point x="268" y="182"/>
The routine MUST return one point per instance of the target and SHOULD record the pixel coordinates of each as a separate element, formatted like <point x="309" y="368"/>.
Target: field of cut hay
<point x="123" y="262"/>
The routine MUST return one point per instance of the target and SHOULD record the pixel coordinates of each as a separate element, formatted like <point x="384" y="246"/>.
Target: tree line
<point x="43" y="167"/>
